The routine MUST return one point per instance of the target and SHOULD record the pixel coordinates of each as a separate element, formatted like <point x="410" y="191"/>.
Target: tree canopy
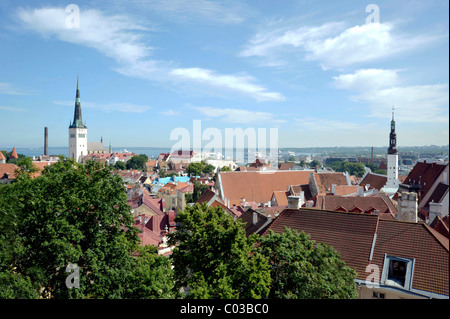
<point x="137" y="162"/>
<point x="214" y="258"/>
<point x="356" y="169"/>
<point x="303" y="269"/>
<point x="74" y="215"/>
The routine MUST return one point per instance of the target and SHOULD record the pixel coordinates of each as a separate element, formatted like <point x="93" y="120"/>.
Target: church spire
<point x="77" y="118"/>
<point x="392" y="137"/>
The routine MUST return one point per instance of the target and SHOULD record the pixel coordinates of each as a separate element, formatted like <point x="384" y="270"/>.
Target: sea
<point x="151" y="152"/>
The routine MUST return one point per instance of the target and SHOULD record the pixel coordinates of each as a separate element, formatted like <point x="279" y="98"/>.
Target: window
<point x="398" y="271"/>
<point x="378" y="295"/>
<point x="72" y="135"/>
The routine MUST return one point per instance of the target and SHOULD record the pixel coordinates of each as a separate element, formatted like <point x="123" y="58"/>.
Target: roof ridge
<point x="436" y="236"/>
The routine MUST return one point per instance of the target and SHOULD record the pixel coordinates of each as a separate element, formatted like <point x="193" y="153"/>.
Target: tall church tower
<point x="392" y="158"/>
<point x="77" y="132"/>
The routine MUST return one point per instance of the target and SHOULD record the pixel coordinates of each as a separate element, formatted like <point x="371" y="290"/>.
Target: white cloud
<point x="120" y="37"/>
<point x="169" y="113"/>
<point x="382" y="89"/>
<point x="12" y="109"/>
<point x="114" y="36"/>
<point x="109" y="107"/>
<point x="314" y="124"/>
<point x="331" y="44"/>
<point x="227" y="12"/>
<point x="8" y="88"/>
<point x="241" y="84"/>
<point x="232" y="115"/>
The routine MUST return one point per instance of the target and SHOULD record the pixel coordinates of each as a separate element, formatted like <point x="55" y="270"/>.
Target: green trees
<point x="197" y="168"/>
<point x="356" y="169"/>
<point x="214" y="258"/>
<point x="74" y="214"/>
<point x="303" y="269"/>
<point x="78" y="214"/>
<point x="137" y="162"/>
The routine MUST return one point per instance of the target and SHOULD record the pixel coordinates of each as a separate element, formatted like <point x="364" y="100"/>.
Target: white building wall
<point x="77" y="143"/>
<point x="392" y="171"/>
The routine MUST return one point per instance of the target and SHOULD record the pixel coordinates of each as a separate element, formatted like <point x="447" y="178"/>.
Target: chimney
<point x="436" y="209"/>
<point x="255" y="218"/>
<point x="46" y="141"/>
<point x="407" y="207"/>
<point x="294" y="202"/>
<point x="333" y="189"/>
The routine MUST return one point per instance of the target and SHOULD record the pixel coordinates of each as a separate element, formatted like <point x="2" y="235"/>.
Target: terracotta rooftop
<point x="424" y="174"/>
<point x="13" y="154"/>
<point x="258" y="186"/>
<point x="350" y="234"/>
<point x="286" y="166"/>
<point x="357" y="204"/>
<point x="326" y="180"/>
<point x="262" y="222"/>
<point x="7" y="170"/>
<point x="418" y="241"/>
<point x="353" y="236"/>
<point x="438" y="194"/>
<point x="376" y="181"/>
<point x="2" y="157"/>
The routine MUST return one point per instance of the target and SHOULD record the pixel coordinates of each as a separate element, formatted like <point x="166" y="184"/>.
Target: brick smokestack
<point x="46" y="141"/>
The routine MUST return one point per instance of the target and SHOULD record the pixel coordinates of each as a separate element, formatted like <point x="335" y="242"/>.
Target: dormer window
<point x="397" y="271"/>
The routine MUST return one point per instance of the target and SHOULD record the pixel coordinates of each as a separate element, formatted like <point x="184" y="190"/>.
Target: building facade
<point x="77" y="132"/>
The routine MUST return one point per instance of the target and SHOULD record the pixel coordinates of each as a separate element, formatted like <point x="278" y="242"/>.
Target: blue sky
<point x="316" y="70"/>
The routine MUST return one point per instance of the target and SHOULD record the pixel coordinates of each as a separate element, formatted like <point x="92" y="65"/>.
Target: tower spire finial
<point x="392" y="112"/>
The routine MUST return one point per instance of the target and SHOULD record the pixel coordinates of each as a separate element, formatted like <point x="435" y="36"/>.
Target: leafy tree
<point x="199" y="189"/>
<point x="73" y="214"/>
<point x="225" y="169"/>
<point x="120" y="165"/>
<point x="302" y="163"/>
<point x="195" y="169"/>
<point x="137" y="162"/>
<point x="208" y="169"/>
<point x="356" y="169"/>
<point x="214" y="258"/>
<point x="291" y="159"/>
<point x="314" y="163"/>
<point x="303" y="269"/>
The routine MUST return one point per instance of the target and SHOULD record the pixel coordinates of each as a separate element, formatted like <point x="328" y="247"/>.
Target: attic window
<point x="398" y="271"/>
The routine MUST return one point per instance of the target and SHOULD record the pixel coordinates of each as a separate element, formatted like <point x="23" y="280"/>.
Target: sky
<point x="323" y="73"/>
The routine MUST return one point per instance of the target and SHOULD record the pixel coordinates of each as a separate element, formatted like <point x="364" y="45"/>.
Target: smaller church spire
<point x="393" y="137"/>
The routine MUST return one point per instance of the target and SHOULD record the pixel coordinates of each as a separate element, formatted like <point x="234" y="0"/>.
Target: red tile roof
<point x="418" y="241"/>
<point x="424" y="174"/>
<point x="376" y="181"/>
<point x="348" y="203"/>
<point x="286" y="166"/>
<point x="438" y="194"/>
<point x="441" y="225"/>
<point x="7" y="170"/>
<point x="326" y="180"/>
<point x="350" y="234"/>
<point x="281" y="197"/>
<point x="353" y="236"/>
<point x="2" y="157"/>
<point x="258" y="186"/>
<point x="13" y="154"/>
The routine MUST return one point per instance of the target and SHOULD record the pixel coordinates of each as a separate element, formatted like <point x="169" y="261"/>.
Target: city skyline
<point x="323" y="75"/>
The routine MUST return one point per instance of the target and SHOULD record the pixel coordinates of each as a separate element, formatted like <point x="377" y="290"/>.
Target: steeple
<point x="77" y="119"/>
<point x="392" y="137"/>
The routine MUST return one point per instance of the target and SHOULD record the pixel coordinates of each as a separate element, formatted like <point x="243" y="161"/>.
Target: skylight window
<point x="398" y="272"/>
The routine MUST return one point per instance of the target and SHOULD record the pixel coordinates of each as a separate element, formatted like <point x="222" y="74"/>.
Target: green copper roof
<point x="77" y="118"/>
